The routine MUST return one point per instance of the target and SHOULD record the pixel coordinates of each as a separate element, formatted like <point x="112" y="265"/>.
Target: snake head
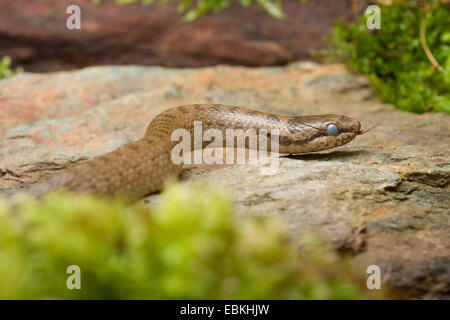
<point x="316" y="133"/>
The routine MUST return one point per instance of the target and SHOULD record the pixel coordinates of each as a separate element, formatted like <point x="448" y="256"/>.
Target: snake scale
<point x="139" y="168"/>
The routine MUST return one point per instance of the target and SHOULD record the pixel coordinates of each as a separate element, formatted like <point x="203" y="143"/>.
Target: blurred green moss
<point x="394" y="58"/>
<point x="191" y="246"/>
<point x="192" y="9"/>
<point x="5" y="68"/>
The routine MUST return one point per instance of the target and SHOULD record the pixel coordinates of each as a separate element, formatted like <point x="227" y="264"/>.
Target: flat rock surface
<point x="384" y="198"/>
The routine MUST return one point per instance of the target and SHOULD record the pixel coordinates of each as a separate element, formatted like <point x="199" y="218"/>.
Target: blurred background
<point x="34" y="33"/>
<point x="407" y="60"/>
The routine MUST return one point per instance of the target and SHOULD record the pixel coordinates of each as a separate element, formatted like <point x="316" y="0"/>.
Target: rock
<point x="35" y="34"/>
<point x="384" y="198"/>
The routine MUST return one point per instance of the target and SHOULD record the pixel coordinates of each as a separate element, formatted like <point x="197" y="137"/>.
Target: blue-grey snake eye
<point x="332" y="129"/>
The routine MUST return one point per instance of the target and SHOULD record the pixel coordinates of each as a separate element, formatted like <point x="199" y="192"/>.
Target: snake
<point x="140" y="168"/>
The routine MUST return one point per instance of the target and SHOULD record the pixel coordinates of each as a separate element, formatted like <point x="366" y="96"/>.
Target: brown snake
<point x="141" y="167"/>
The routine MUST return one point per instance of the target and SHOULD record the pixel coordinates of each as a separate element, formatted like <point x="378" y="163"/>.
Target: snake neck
<point x="235" y="127"/>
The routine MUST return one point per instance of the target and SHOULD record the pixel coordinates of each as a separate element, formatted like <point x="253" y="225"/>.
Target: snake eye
<point x="332" y="130"/>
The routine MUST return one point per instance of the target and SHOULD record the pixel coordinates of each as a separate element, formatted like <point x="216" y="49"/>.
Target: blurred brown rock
<point x="34" y="34"/>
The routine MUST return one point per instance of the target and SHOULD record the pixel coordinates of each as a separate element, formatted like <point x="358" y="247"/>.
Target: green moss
<point x="191" y="246"/>
<point x="394" y="58"/>
<point x="192" y="9"/>
<point x="5" y="68"/>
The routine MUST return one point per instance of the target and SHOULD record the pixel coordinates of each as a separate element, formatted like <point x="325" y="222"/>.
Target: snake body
<point x="141" y="167"/>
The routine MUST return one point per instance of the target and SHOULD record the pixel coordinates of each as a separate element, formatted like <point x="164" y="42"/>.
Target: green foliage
<point x="5" y="68"/>
<point x="393" y="57"/>
<point x="192" y="9"/>
<point x="192" y="246"/>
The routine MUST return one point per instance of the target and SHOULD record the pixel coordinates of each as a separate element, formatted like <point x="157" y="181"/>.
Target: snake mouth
<point x="360" y="132"/>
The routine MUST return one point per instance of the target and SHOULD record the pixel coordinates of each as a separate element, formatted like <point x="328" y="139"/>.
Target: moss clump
<point x="192" y="9"/>
<point x="192" y="246"/>
<point x="5" y="68"/>
<point x="394" y="57"/>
